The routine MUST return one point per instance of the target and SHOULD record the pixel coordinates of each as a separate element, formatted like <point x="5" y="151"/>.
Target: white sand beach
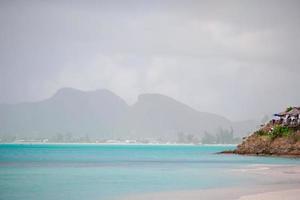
<point x="293" y="194"/>
<point x="284" y="184"/>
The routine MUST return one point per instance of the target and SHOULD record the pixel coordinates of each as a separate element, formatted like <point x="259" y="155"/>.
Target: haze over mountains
<point x="101" y="114"/>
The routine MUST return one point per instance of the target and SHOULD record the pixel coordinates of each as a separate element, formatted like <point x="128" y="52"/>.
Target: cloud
<point x="238" y="59"/>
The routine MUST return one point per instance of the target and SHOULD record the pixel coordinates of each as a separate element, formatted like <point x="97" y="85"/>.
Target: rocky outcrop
<point x="264" y="145"/>
<point x="279" y="137"/>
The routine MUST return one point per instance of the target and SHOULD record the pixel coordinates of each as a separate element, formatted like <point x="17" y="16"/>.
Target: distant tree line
<point x="223" y="136"/>
<point x="68" y="137"/>
<point x="187" y="138"/>
<point x="58" y="137"/>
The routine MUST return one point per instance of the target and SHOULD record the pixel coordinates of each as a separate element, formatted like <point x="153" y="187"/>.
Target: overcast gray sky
<point x="239" y="59"/>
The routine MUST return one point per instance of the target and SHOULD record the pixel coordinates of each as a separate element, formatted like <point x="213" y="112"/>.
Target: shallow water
<point x="88" y="172"/>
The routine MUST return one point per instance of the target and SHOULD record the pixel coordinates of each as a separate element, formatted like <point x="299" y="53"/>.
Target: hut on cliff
<point x="290" y="117"/>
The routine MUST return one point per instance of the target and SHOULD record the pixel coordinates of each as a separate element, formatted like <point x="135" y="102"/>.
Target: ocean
<point x="106" y="172"/>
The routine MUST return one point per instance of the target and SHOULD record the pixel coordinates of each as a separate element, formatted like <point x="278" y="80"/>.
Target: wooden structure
<point x="289" y="118"/>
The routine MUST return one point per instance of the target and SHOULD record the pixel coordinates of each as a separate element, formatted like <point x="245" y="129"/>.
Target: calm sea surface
<point x="96" y="172"/>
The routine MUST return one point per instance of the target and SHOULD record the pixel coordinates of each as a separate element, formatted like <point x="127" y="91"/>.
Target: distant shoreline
<point x="95" y="143"/>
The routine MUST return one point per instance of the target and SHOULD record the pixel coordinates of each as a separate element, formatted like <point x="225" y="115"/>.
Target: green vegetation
<point x="187" y="138"/>
<point x="208" y="138"/>
<point x="278" y="131"/>
<point x="261" y="132"/>
<point x="223" y="136"/>
<point x="288" y="109"/>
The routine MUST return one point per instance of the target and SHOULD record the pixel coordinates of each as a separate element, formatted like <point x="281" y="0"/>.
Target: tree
<point x="208" y="138"/>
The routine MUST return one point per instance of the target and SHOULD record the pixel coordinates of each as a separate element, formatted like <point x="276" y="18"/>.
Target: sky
<point x="239" y="59"/>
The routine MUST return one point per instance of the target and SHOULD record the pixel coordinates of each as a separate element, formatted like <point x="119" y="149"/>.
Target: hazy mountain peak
<point x="69" y="90"/>
<point x="102" y="114"/>
<point x="69" y="93"/>
<point x="66" y="91"/>
<point x="162" y="102"/>
<point x="151" y="96"/>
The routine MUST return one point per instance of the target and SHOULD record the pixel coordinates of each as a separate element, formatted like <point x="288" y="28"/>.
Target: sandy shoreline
<point x="283" y="184"/>
<point x="292" y="194"/>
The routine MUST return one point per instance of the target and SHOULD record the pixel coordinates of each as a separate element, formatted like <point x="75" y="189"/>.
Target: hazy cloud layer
<point x="235" y="58"/>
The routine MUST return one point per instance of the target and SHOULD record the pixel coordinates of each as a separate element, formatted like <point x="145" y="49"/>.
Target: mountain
<point x="68" y="111"/>
<point x="160" y="116"/>
<point x="101" y="114"/>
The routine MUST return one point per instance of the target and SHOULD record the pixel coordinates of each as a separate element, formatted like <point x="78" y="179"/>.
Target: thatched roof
<point x="295" y="111"/>
<point x="281" y="114"/>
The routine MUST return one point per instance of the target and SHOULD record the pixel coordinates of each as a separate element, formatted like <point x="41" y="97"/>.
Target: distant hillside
<point x="95" y="113"/>
<point x="161" y="116"/>
<point x="101" y="114"/>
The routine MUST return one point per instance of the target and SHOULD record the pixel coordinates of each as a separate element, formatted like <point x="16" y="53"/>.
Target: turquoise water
<point x="89" y="172"/>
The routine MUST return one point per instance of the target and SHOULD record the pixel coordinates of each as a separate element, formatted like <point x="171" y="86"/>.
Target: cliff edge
<point x="279" y="137"/>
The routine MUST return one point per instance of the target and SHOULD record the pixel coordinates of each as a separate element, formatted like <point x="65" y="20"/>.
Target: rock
<point x="264" y="145"/>
<point x="278" y="137"/>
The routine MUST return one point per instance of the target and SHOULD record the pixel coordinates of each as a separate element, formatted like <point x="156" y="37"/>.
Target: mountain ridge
<point x="103" y="114"/>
